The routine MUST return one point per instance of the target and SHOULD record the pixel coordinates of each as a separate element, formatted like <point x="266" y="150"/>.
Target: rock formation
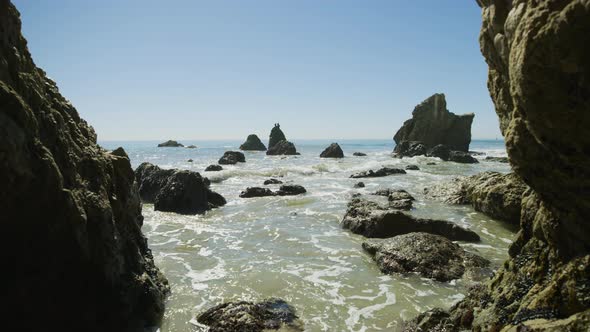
<point x="253" y="143"/>
<point x="213" y="168"/>
<point x="232" y="158"/>
<point x="282" y="148"/>
<point x="332" y="151"/>
<point x="433" y="124"/>
<point x="276" y="136"/>
<point x="170" y="144"/>
<point x="284" y="190"/>
<point x="191" y="146"/>
<point x="290" y="190"/>
<point x="179" y="191"/>
<point x="537" y="53"/>
<point x="74" y="252"/>
<point x="359" y="154"/>
<point x="272" y="181"/>
<point x="385" y="171"/>
<point x="256" y="192"/>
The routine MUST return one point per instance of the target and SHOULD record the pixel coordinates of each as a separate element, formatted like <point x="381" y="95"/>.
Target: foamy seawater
<point x="293" y="247"/>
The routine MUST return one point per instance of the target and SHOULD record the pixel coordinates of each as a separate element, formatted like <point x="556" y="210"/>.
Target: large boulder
<point x="282" y="148"/>
<point x="537" y="53"/>
<point x="409" y="149"/>
<point x="462" y="157"/>
<point x="433" y="124"/>
<point x="332" y="151"/>
<point x="170" y="144"/>
<point x="439" y="151"/>
<point x="232" y="158"/>
<point x="270" y="314"/>
<point x="429" y="255"/>
<point x="256" y="192"/>
<point x="290" y="190"/>
<point x="276" y="136"/>
<point x="74" y="254"/>
<point x="385" y="171"/>
<point x="253" y="143"/>
<point x="369" y="219"/>
<point x="213" y="168"/>
<point x="179" y="191"/>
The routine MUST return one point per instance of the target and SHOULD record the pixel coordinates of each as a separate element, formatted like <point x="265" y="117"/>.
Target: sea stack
<point x="276" y="135"/>
<point x="71" y="213"/>
<point x="278" y="144"/>
<point x="172" y="144"/>
<point x="253" y="143"/>
<point x="432" y="124"/>
<point x="332" y="151"/>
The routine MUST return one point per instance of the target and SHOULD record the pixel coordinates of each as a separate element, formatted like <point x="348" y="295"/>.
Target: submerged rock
<point x="290" y="190"/>
<point x="256" y="192"/>
<point x="410" y="149"/>
<point x="272" y="181"/>
<point x="369" y="219"/>
<point x="213" y="168"/>
<point x="332" y="151"/>
<point x="433" y="124"/>
<point x="189" y="161"/>
<point x="497" y="159"/>
<point x="276" y="136"/>
<point x="170" y="144"/>
<point x="359" y="185"/>
<point x="232" y="158"/>
<point x="253" y="143"/>
<point x="412" y="168"/>
<point x="385" y="171"/>
<point x="282" y="148"/>
<point x="270" y="314"/>
<point x="359" y="154"/>
<point x="191" y="147"/>
<point x="429" y="255"/>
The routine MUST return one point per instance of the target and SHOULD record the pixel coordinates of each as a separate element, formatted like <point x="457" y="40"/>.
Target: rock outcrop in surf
<point x="278" y="143"/>
<point x="253" y="143"/>
<point x="332" y="151"/>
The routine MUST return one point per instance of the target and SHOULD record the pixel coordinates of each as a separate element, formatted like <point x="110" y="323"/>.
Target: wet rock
<point x="359" y="185"/>
<point x="282" y="148"/>
<point x="253" y="143"/>
<point x="172" y="190"/>
<point x="401" y="204"/>
<point x="431" y="163"/>
<point x="74" y="252"/>
<point x="332" y="151"/>
<point x="213" y="168"/>
<point x="189" y="161"/>
<point x="462" y="157"/>
<point x="433" y="124"/>
<point x="412" y="168"/>
<point x="385" y="171"/>
<point x="191" y="147"/>
<point x="359" y="154"/>
<point x="256" y="192"/>
<point x="394" y="194"/>
<point x="410" y="149"/>
<point x="276" y="136"/>
<point x="372" y="220"/>
<point x="232" y="158"/>
<point x="170" y="144"/>
<point x="270" y="314"/>
<point x="497" y="159"/>
<point x="272" y="181"/>
<point x="439" y="151"/>
<point x="429" y="255"/>
<point x="290" y="190"/>
<point x="434" y="320"/>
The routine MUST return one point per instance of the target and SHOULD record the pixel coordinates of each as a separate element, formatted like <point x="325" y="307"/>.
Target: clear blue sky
<point x="218" y="69"/>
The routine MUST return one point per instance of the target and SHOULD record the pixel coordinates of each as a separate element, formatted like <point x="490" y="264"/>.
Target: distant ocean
<point x="294" y="247"/>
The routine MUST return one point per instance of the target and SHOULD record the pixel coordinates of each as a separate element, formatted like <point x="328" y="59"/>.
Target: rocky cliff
<point x="539" y="79"/>
<point x="73" y="250"/>
<point x="433" y="124"/>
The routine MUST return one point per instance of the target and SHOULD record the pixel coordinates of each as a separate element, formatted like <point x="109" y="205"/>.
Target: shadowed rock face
<point x="276" y="135"/>
<point x="253" y="143"/>
<point x="282" y="148"/>
<point x="433" y="124"/>
<point x="332" y="151"/>
<point x="70" y="210"/>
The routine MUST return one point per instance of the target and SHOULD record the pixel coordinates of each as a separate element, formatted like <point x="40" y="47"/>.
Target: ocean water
<point x="294" y="247"/>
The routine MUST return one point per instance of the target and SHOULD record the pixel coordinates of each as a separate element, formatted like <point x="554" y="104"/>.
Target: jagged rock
<point x="253" y="143"/>
<point x="359" y="185"/>
<point x="433" y="124"/>
<point x="272" y="181"/>
<point x="191" y="147"/>
<point x="282" y="148"/>
<point x="372" y="220"/>
<point x="276" y="136"/>
<point x="359" y="154"/>
<point x="409" y="149"/>
<point x="332" y="151"/>
<point x="256" y="192"/>
<point x="170" y="144"/>
<point x="213" y="168"/>
<point x="412" y="168"/>
<point x="462" y="157"/>
<point x="290" y="190"/>
<point x="172" y="190"/>
<point x="74" y="254"/>
<point x="497" y="159"/>
<point x="232" y="158"/>
<point x="385" y="171"/>
<point x="439" y="151"/>
<point x="270" y="314"/>
<point x="429" y="255"/>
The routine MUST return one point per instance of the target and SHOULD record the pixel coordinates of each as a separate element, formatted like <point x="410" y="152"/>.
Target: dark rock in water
<point x="359" y="185"/>
<point x="213" y="168"/>
<point x="371" y="220"/>
<point x="253" y="143"/>
<point x="270" y="314"/>
<point x="74" y="254"/>
<point x="462" y="157"/>
<point x="431" y="163"/>
<point x="400" y="204"/>
<point x="272" y="181"/>
<point x="476" y="153"/>
<point x="282" y="148"/>
<point x="276" y="136"/>
<point x="412" y="168"/>
<point x="191" y="147"/>
<point x="410" y="149"/>
<point x="170" y="144"/>
<point x="385" y="171"/>
<point x="359" y="154"/>
<point x="190" y="160"/>
<point x="429" y="255"/>
<point x="232" y="158"/>
<point x="394" y="194"/>
<point x="172" y="190"/>
<point x="497" y="159"/>
<point x="290" y="190"/>
<point x="439" y="151"/>
<point x="433" y="124"/>
<point x="332" y="151"/>
<point x="256" y="192"/>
